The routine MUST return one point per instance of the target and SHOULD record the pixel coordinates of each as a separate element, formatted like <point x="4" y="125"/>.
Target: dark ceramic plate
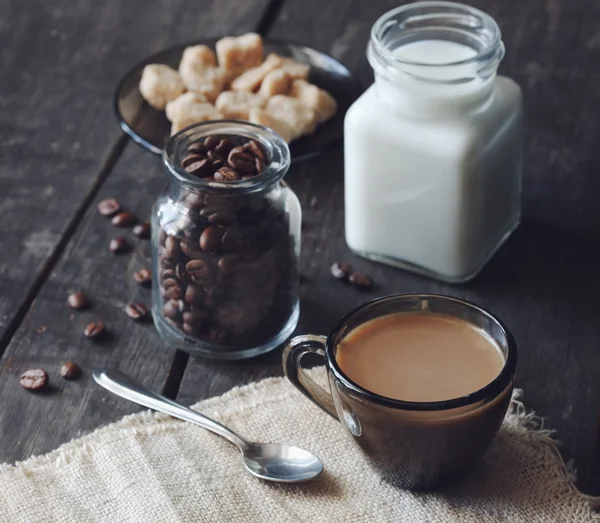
<point x="150" y="128"/>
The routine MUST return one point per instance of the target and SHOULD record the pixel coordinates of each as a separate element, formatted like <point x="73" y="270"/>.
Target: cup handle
<point x="292" y="367"/>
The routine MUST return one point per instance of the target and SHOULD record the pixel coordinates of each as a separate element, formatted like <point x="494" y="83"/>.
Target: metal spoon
<point x="269" y="461"/>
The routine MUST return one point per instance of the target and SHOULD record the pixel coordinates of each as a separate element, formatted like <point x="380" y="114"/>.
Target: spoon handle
<point x="126" y="387"/>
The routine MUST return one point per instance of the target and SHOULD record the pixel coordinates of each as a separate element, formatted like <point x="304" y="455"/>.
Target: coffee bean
<point x="197" y="148"/>
<point x="181" y="273"/>
<point x="93" y="330"/>
<point x="173" y="310"/>
<point x="190" y="249"/>
<point x="172" y="289"/>
<point x="225" y="146"/>
<point x="118" y="245"/>
<point x="194" y="295"/>
<point x="259" y="165"/>
<point x="136" y="311"/>
<point x="143" y="276"/>
<point x="212" y="141"/>
<point x="168" y="274"/>
<point x="199" y="168"/>
<point x="194" y="200"/>
<point x="196" y="317"/>
<point x="226" y="174"/>
<point x="70" y="371"/>
<point x="210" y="239"/>
<point x="361" y="281"/>
<point x="198" y="270"/>
<point x="172" y="247"/>
<point x="77" y="301"/>
<point x="221" y="218"/>
<point x="108" y="207"/>
<point x="241" y="161"/>
<point x="142" y="230"/>
<point x="192" y="330"/>
<point x="123" y="219"/>
<point x="34" y="379"/>
<point x="257" y="150"/>
<point x="214" y="156"/>
<point x="228" y="263"/>
<point x="341" y="271"/>
<point x="190" y="159"/>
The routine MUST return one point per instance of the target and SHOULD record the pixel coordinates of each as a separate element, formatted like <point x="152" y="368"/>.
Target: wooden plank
<point x="47" y="174"/>
<point x="57" y="128"/>
<point x="543" y="282"/>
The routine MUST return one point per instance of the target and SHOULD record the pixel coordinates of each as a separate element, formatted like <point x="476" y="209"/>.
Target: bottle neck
<point x="435" y="58"/>
<point x="423" y="100"/>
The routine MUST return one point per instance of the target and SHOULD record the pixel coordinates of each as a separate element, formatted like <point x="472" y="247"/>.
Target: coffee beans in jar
<point x="226" y="242"/>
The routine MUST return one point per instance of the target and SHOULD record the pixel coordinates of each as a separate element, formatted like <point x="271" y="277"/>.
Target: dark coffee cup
<point x="413" y="445"/>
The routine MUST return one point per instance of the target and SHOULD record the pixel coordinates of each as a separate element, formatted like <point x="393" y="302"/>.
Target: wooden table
<point x="61" y="151"/>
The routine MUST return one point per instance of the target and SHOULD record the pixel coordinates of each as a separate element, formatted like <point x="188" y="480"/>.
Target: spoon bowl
<point x="268" y="461"/>
<point x="282" y="463"/>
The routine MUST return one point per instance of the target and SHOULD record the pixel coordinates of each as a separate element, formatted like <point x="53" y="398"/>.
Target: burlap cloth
<point x="149" y="467"/>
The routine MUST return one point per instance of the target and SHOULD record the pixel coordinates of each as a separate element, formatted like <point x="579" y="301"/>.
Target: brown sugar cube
<point x="199" y="72"/>
<point x="238" y="54"/>
<point x="260" y="117"/>
<point x="176" y="109"/>
<point x="275" y="82"/>
<point x="237" y="104"/>
<point x="320" y="101"/>
<point x="293" y="112"/>
<point x="251" y="79"/>
<point x="194" y="114"/>
<point x="199" y="55"/>
<point x="160" y="84"/>
<point x="293" y="68"/>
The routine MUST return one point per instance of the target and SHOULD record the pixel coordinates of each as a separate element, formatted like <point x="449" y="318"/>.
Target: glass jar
<point x="235" y="296"/>
<point x="433" y="148"/>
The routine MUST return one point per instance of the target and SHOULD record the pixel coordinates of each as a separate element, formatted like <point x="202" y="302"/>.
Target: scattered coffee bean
<point x="118" y="245"/>
<point x="197" y="148"/>
<point x="143" y="276"/>
<point x="210" y="239"/>
<point x="70" y="371"/>
<point x="93" y="330"/>
<point x="34" y="379"/>
<point x="210" y="142"/>
<point x="123" y="219"/>
<point x="136" y="311"/>
<point x="361" y="281"/>
<point x="341" y="271"/>
<point x="108" y="207"/>
<point x="77" y="301"/>
<point x="257" y="150"/>
<point x="226" y="174"/>
<point x="142" y="230"/>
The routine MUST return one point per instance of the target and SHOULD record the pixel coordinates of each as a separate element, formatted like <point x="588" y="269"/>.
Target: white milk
<point x="433" y="162"/>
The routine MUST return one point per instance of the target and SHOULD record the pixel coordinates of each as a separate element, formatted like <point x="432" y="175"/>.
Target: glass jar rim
<point x="276" y="147"/>
<point x="419" y="14"/>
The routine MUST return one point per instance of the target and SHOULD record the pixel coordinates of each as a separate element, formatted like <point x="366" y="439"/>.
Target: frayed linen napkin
<point x="148" y="467"/>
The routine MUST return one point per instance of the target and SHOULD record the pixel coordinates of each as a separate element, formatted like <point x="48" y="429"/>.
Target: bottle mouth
<point x="275" y="146"/>
<point x="472" y="39"/>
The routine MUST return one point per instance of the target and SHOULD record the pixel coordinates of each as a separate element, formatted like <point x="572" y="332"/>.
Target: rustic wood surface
<point x="61" y="151"/>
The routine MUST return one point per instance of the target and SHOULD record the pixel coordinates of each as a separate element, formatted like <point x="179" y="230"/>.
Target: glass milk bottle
<point x="433" y="148"/>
